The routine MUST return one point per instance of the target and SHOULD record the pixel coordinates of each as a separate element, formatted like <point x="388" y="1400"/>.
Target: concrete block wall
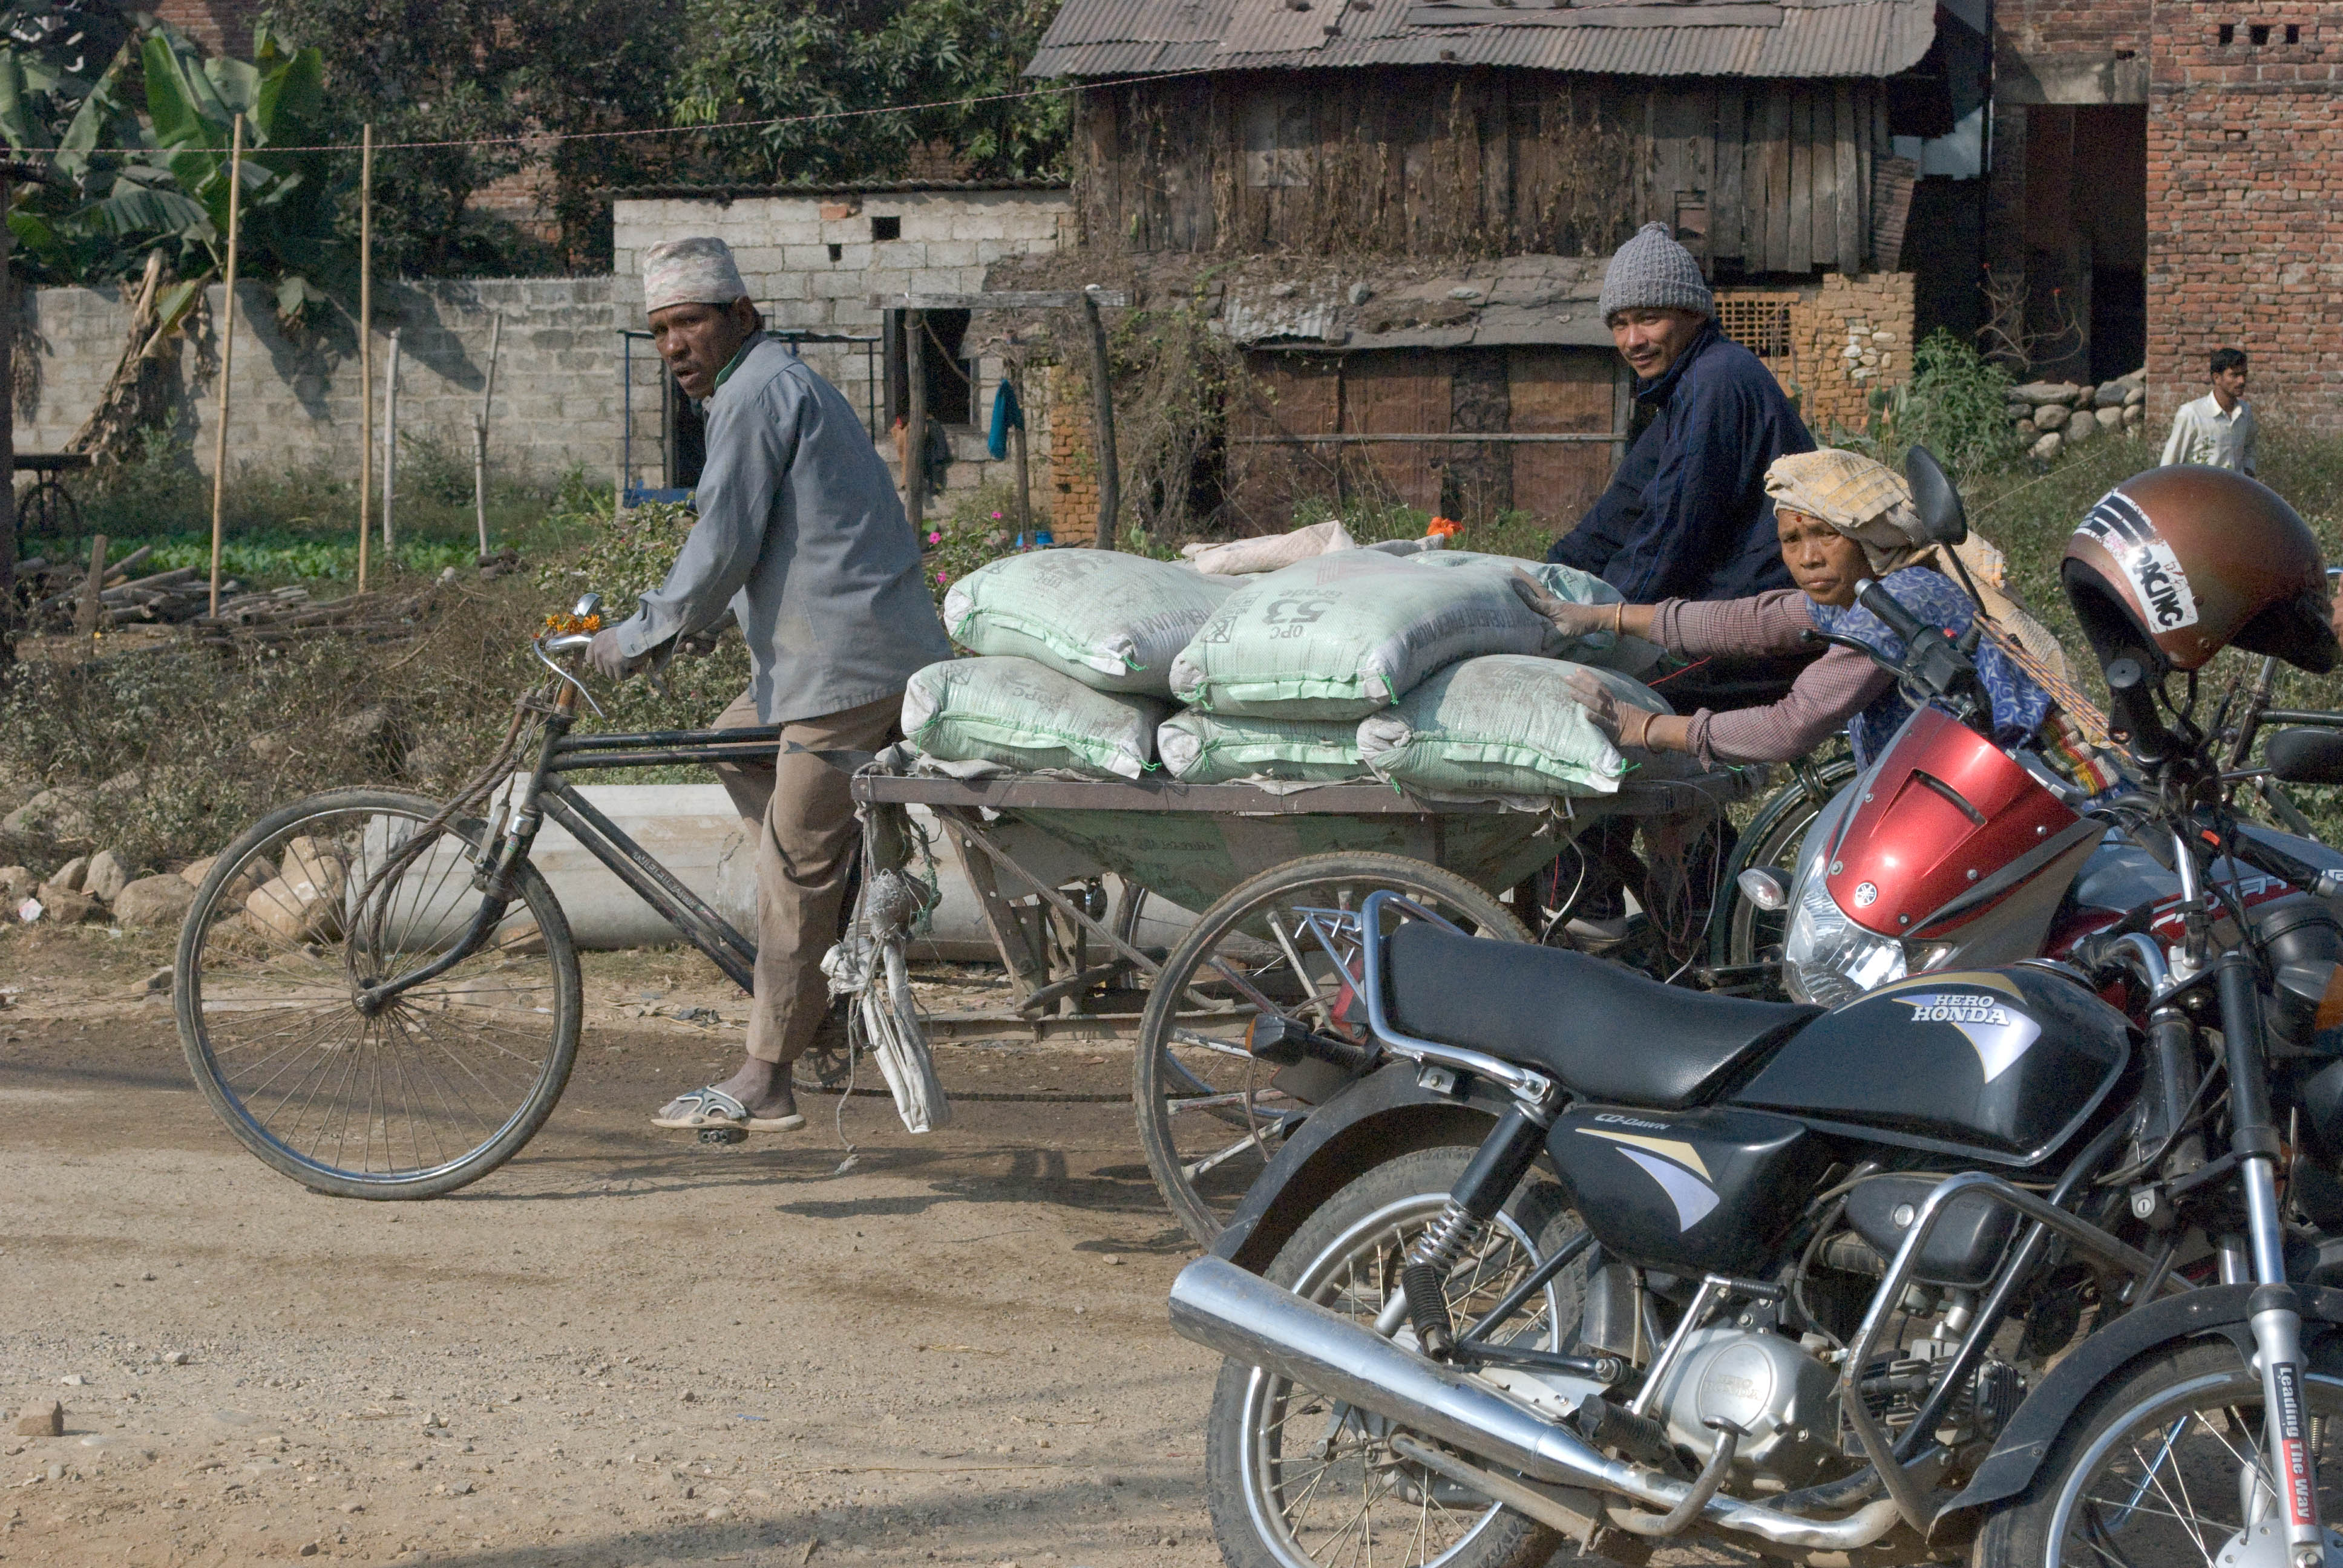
<point x="296" y="400"/>
<point x="2245" y="195"/>
<point x="948" y="237"/>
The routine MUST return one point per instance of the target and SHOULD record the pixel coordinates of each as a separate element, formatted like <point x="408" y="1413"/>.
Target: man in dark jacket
<point x="1687" y="516"/>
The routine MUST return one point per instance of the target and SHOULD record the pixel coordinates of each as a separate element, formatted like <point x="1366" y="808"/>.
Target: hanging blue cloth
<point x="2018" y="704"/>
<point x="1007" y="416"/>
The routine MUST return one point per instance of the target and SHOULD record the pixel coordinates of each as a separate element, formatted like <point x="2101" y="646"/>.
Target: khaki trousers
<point x="798" y="810"/>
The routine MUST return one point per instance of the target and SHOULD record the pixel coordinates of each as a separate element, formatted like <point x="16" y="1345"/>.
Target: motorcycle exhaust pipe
<point x="1242" y="1315"/>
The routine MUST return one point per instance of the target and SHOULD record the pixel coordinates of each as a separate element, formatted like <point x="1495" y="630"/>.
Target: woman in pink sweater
<point x="1840" y="518"/>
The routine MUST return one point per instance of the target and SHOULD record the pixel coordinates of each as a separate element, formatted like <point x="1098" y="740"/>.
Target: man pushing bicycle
<point x="801" y="535"/>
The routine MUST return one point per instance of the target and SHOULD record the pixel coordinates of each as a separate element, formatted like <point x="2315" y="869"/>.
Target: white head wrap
<point x="698" y="271"/>
<point x="1862" y="498"/>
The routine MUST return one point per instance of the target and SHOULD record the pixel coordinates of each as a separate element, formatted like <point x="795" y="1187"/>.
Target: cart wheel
<point x="1740" y="932"/>
<point x="1207" y="1116"/>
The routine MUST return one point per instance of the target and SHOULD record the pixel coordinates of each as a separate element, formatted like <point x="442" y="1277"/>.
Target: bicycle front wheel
<point x="431" y="1091"/>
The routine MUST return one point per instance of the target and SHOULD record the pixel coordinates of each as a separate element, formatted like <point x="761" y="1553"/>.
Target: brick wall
<point x="2245" y="180"/>
<point x="1069" y="496"/>
<point x="216" y="26"/>
<point x="1842" y="339"/>
<point x="296" y="400"/>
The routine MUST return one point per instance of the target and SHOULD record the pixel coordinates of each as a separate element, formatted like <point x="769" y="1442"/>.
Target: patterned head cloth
<point x="1865" y="499"/>
<point x="690" y="272"/>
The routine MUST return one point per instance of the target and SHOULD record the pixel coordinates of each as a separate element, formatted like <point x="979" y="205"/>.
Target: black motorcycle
<point x="2023" y="1265"/>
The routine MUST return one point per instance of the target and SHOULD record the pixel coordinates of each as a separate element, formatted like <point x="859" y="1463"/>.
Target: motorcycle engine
<point x="1785" y="1399"/>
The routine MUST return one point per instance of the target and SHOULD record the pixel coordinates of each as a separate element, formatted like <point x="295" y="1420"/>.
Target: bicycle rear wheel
<point x="438" y="1086"/>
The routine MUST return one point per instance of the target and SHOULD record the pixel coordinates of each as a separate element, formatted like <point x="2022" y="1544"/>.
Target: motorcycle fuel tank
<point x="1944" y="808"/>
<point x="1996" y="1065"/>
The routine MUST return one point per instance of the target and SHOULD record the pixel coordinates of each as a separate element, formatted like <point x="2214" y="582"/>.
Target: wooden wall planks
<point x="1446" y="161"/>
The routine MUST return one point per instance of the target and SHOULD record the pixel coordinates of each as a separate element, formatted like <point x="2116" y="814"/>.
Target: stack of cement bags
<point x="1423" y="669"/>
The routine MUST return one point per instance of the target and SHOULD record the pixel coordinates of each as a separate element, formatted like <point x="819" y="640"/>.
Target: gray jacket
<point x="801" y="533"/>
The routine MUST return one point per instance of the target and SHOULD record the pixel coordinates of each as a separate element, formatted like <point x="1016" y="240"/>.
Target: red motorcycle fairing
<point x="1941" y="809"/>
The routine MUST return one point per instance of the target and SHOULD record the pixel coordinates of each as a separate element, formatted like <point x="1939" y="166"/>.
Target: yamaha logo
<point x="1866" y="894"/>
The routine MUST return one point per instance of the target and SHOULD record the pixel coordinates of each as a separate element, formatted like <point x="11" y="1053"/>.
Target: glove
<point x="1624" y="722"/>
<point x="1572" y="620"/>
<point x="603" y="659"/>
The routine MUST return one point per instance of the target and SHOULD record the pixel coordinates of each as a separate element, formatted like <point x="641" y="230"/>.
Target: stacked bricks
<point x="2245" y="200"/>
<point x="1070" y="498"/>
<point x="811" y="261"/>
<point x="1848" y="337"/>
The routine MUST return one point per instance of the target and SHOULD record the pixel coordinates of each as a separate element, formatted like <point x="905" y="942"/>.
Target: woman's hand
<point x="1570" y="620"/>
<point x="1624" y="722"/>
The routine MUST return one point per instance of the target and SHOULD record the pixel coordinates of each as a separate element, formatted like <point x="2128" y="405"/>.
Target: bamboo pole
<point x="389" y="440"/>
<point x="480" y="435"/>
<point x="366" y="347"/>
<point x="228" y="348"/>
<point x="7" y="439"/>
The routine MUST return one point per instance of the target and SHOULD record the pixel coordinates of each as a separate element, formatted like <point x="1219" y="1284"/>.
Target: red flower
<point x="1443" y="527"/>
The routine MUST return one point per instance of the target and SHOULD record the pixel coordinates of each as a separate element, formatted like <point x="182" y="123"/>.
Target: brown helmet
<point x="2178" y="563"/>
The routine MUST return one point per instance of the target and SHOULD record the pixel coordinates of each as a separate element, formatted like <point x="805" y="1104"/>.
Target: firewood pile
<point x="182" y="596"/>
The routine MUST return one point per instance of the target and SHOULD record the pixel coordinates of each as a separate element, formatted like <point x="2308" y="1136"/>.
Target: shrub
<point x="1953" y="405"/>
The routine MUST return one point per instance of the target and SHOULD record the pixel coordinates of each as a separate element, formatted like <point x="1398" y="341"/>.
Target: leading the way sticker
<point x="2123" y="530"/>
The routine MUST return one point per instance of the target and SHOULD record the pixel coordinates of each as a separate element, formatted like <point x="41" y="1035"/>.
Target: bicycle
<point x="379" y="993"/>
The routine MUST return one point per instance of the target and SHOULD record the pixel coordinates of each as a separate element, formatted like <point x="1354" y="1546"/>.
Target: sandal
<point x="713" y="1107"/>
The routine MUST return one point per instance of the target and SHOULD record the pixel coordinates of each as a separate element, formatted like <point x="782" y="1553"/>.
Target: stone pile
<point x="2052" y="416"/>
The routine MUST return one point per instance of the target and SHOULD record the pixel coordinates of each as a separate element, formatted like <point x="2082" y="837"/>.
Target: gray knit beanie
<point x="1652" y="272"/>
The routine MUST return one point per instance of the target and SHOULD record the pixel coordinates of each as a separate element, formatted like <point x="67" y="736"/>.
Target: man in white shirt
<point x="2218" y="429"/>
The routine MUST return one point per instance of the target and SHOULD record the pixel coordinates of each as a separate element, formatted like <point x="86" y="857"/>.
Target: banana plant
<point x="127" y="182"/>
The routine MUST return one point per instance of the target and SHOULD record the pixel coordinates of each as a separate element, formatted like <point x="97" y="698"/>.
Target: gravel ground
<point x="622" y="1349"/>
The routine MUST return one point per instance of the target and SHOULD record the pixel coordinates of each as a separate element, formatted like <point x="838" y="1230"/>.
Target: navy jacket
<point x="1686" y="514"/>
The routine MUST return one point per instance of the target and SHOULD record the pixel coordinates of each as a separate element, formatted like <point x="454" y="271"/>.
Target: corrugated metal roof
<point x="1799" y="39"/>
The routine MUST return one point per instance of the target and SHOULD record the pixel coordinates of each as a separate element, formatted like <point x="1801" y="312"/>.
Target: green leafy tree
<point x="767" y="59"/>
<point x="508" y="74"/>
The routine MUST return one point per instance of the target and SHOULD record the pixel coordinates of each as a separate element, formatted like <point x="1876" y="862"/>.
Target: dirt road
<point x="620" y="1350"/>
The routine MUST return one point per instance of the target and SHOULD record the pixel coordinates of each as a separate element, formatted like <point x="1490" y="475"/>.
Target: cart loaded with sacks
<point x="379" y="996"/>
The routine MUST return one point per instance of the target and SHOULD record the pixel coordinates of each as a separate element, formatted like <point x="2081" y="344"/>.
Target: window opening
<point x="837" y="251"/>
<point x="2228" y="34"/>
<point x="2294" y="32"/>
<point x="2259" y="32"/>
<point x="1760" y="326"/>
<point x="886" y="229"/>
<point x="951" y="380"/>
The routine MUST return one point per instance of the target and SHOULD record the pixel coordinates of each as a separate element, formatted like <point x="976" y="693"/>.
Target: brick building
<point x="2245" y="201"/>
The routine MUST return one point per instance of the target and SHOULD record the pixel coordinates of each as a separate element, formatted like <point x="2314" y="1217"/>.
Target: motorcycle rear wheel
<point x="1273" y="1508"/>
<point x="2151" y="1468"/>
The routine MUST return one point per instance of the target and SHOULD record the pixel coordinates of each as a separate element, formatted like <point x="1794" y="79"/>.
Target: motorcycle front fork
<point x="2275" y="1310"/>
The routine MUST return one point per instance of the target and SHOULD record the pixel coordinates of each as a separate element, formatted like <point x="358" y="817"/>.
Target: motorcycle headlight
<point x="1826" y="959"/>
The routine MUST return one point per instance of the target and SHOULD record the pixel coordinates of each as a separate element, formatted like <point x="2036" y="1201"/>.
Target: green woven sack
<point x="1028" y="716"/>
<point x="1213" y="749"/>
<point x="1339" y="636"/>
<point x="1500" y="726"/>
<point x="1113" y="622"/>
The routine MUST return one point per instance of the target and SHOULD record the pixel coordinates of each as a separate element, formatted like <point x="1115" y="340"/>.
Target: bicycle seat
<point x="1606" y="1032"/>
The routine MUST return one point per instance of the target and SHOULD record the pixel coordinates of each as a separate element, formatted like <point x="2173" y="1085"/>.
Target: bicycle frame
<point x="547" y="794"/>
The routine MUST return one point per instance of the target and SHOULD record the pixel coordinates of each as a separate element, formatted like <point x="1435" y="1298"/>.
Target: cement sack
<point x="1500" y="726"/>
<point x="1628" y="655"/>
<point x="1113" y="622"/>
<point x="1271" y="552"/>
<point x="1212" y="749"/>
<point x="1344" y="634"/>
<point x="1027" y="717"/>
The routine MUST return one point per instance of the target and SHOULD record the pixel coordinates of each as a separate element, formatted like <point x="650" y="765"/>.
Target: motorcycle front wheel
<point x="1297" y="1481"/>
<point x="2166" y="1464"/>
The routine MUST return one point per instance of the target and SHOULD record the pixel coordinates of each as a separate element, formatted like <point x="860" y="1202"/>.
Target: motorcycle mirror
<point x="2306" y="757"/>
<point x="1934" y="498"/>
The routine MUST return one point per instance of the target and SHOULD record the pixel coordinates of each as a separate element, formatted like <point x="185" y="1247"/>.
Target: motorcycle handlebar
<point x="1882" y="604"/>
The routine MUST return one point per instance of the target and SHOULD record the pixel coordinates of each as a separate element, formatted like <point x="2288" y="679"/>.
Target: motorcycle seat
<point x="1606" y="1032"/>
